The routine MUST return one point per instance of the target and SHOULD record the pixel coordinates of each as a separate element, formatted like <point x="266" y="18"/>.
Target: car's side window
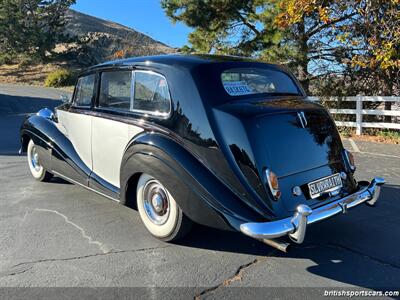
<point x="115" y="90"/>
<point x="151" y="93"/>
<point x="84" y="90"/>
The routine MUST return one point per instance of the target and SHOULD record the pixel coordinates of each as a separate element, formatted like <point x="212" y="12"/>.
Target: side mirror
<point x="65" y="98"/>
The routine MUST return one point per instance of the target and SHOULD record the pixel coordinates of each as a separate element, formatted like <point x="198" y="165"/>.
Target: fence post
<point x="359" y="107"/>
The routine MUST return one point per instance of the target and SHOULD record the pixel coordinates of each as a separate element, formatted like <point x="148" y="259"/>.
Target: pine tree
<point x="32" y="26"/>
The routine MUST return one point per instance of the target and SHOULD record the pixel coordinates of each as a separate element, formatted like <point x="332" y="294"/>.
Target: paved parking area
<point x="60" y="235"/>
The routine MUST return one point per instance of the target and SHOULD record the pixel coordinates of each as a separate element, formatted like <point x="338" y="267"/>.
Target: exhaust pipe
<point x="282" y="246"/>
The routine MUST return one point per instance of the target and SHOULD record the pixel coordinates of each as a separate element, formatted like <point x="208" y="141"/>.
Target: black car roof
<point x="183" y="60"/>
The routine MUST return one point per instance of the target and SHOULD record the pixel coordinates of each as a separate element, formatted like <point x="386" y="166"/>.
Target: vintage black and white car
<point x="226" y="142"/>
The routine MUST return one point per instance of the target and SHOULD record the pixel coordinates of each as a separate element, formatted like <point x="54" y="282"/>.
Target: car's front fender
<point x="56" y="150"/>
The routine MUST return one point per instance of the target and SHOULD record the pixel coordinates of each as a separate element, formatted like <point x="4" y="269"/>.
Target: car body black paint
<point x="213" y="148"/>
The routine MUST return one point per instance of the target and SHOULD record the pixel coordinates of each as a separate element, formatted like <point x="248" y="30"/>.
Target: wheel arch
<point x="57" y="151"/>
<point x="202" y="197"/>
<point x="25" y="138"/>
<point x="130" y="191"/>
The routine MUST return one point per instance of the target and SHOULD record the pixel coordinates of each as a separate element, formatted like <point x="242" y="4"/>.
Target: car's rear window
<point x="249" y="81"/>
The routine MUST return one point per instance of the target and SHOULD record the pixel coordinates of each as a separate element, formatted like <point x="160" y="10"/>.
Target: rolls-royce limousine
<point x="226" y="142"/>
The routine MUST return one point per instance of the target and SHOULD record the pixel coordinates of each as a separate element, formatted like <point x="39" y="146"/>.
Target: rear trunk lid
<point x="293" y="137"/>
<point x="292" y="142"/>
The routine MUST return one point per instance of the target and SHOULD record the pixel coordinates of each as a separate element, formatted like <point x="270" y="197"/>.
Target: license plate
<point x="325" y="185"/>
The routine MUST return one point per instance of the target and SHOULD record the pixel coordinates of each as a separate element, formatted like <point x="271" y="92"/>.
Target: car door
<point x="121" y="99"/>
<point x="76" y="123"/>
<point x="110" y="134"/>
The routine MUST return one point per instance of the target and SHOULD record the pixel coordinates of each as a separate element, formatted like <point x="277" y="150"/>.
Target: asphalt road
<point x="60" y="235"/>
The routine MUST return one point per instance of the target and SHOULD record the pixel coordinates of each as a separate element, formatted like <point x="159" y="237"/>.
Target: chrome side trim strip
<point x="82" y="185"/>
<point x="301" y="120"/>
<point x="304" y="118"/>
<point x="295" y="227"/>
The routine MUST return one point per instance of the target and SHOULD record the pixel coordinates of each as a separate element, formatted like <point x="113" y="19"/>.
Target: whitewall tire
<point x="159" y="211"/>
<point x="37" y="170"/>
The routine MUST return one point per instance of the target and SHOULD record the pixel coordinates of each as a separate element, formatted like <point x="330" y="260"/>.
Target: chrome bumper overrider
<point x="295" y="227"/>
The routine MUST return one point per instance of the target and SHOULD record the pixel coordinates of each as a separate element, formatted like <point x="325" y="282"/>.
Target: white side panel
<point x="78" y="128"/>
<point x="109" y="140"/>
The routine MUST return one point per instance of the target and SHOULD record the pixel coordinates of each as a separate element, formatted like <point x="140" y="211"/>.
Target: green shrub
<point x="6" y="58"/>
<point x="390" y="134"/>
<point x="60" y="78"/>
<point x="26" y="60"/>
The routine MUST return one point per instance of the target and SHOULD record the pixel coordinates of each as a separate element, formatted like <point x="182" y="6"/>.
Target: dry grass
<point x="377" y="139"/>
<point x="27" y="74"/>
<point x="377" y="136"/>
<point x="33" y="74"/>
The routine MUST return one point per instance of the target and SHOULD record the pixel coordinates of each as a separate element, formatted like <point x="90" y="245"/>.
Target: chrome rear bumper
<point x="295" y="226"/>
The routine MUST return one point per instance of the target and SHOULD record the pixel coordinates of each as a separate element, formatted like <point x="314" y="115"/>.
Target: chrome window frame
<point x="133" y="77"/>
<point x="97" y="104"/>
<point x="158" y="114"/>
<point x="76" y="92"/>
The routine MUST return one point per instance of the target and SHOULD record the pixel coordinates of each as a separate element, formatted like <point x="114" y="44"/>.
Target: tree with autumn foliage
<point x="361" y="37"/>
<point x="317" y="39"/>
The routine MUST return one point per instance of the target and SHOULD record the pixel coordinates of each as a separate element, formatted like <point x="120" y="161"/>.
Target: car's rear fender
<point x="202" y="196"/>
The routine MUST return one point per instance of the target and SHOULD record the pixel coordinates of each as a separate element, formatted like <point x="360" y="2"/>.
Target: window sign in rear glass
<point x="239" y="82"/>
<point x="237" y="88"/>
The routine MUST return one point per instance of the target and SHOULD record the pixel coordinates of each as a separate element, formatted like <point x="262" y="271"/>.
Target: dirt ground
<point x="376" y="139"/>
<point x="26" y="75"/>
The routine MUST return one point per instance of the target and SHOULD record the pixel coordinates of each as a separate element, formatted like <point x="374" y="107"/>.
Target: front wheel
<point x="159" y="211"/>
<point x="37" y="170"/>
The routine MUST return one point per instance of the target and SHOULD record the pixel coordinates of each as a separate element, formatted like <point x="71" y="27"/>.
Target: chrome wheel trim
<point x="156" y="202"/>
<point x="34" y="155"/>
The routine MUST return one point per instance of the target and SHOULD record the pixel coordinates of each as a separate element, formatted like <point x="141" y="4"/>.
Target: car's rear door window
<point x="115" y="90"/>
<point x="249" y="81"/>
<point x="151" y="93"/>
<point x="84" y="91"/>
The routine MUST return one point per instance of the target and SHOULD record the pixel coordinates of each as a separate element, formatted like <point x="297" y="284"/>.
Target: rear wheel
<point x="159" y="211"/>
<point x="37" y="170"/>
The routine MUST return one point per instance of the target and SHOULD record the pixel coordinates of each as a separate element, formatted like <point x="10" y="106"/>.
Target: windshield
<point x="250" y="81"/>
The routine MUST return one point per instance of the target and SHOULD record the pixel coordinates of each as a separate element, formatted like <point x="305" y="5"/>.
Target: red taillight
<point x="273" y="183"/>
<point x="350" y="160"/>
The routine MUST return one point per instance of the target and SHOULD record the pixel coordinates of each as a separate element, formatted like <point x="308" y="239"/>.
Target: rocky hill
<point x="100" y="40"/>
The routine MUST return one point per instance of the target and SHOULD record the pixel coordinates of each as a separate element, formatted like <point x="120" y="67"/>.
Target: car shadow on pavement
<point x="59" y="180"/>
<point x="359" y="248"/>
<point x="10" y="104"/>
<point x="13" y="111"/>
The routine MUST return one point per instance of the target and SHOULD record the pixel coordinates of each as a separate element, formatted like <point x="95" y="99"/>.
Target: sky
<point x="145" y="16"/>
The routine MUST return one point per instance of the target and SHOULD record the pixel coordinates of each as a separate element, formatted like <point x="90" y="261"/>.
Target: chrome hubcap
<point x="156" y="202"/>
<point x="35" y="159"/>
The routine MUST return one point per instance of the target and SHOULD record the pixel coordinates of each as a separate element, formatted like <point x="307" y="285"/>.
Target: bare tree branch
<point x="248" y="24"/>
<point x="329" y="24"/>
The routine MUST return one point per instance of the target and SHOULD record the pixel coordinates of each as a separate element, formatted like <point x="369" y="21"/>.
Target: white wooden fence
<point x="360" y="111"/>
